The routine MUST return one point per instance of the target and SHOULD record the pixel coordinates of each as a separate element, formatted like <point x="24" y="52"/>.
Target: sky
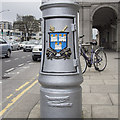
<point x="20" y="7"/>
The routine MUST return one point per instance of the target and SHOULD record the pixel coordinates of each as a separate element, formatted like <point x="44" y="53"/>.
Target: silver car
<point x="37" y="52"/>
<point x="30" y="45"/>
<point x="5" y="48"/>
<point x="14" y="44"/>
<point x="22" y="44"/>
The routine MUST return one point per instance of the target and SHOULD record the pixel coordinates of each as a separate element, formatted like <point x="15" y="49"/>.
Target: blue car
<point x="5" y="49"/>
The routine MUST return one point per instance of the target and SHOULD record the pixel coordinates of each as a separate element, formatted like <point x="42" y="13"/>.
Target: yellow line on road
<point x="22" y="86"/>
<point x="9" y="96"/>
<point x="16" y="98"/>
<point x="37" y="75"/>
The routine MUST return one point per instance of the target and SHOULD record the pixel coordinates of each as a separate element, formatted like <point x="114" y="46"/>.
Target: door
<point x="59" y="65"/>
<point x="3" y="46"/>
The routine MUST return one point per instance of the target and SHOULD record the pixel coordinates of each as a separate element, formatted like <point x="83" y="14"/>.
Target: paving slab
<point x="93" y="82"/>
<point x="116" y="76"/>
<point x="35" y="113"/>
<point x="86" y="111"/>
<point x="85" y="77"/>
<point x="96" y="98"/>
<point x="114" y="99"/>
<point x="100" y="111"/>
<point x="85" y="88"/>
<point x="104" y="89"/>
<point x="111" y="82"/>
<point x="102" y="77"/>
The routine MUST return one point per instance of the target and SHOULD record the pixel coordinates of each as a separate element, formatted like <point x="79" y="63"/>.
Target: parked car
<point x="5" y="48"/>
<point x="14" y="44"/>
<point x="30" y="45"/>
<point x="22" y="44"/>
<point x="37" y="52"/>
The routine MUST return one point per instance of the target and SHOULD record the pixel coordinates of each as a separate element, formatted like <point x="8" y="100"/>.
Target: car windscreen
<point x="24" y="42"/>
<point x="33" y="42"/>
<point x="1" y="41"/>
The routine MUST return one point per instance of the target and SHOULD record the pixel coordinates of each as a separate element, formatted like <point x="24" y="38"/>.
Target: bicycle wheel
<point x="83" y="64"/>
<point x="100" y="60"/>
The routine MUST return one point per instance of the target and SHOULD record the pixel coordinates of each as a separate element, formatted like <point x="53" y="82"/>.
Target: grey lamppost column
<point x="60" y="74"/>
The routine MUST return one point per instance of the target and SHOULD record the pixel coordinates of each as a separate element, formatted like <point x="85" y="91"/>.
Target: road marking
<point x="0" y="82"/>
<point x="22" y="86"/>
<point x="20" y="65"/>
<point x="37" y="75"/>
<point x="11" y="69"/>
<point x="7" y="61"/>
<point x="9" y="96"/>
<point x="31" y="63"/>
<point x="16" y="59"/>
<point x="23" y="57"/>
<point x="16" y="98"/>
<point x="18" y="72"/>
<point x="28" y="55"/>
<point x="25" y="67"/>
<point x="28" y="61"/>
<point x="12" y="73"/>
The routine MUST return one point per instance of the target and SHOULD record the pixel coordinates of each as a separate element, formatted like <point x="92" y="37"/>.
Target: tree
<point x="19" y="18"/>
<point x="27" y="24"/>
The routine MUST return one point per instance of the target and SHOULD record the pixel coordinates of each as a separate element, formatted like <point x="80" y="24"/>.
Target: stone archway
<point x="104" y="18"/>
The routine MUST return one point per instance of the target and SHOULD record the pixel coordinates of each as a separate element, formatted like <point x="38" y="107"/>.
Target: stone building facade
<point x="103" y="15"/>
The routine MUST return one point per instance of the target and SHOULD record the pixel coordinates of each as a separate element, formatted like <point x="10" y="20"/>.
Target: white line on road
<point x="7" y="61"/>
<point x="9" y="70"/>
<point x="28" y="61"/>
<point x="16" y="59"/>
<point x="31" y="63"/>
<point x="28" y="55"/>
<point x="20" y="65"/>
<point x="23" y="57"/>
<point x="0" y="82"/>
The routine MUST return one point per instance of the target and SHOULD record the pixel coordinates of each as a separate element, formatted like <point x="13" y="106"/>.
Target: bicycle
<point x="97" y="57"/>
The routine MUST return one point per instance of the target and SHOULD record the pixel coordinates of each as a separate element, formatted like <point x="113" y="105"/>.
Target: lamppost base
<point x="61" y="102"/>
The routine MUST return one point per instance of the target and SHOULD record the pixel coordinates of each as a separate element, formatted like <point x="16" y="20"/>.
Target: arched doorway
<point x="105" y="21"/>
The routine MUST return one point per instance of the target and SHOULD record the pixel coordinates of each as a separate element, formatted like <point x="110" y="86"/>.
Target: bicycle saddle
<point x="93" y="43"/>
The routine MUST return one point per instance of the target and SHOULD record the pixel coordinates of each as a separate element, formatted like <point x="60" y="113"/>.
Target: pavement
<point x="99" y="94"/>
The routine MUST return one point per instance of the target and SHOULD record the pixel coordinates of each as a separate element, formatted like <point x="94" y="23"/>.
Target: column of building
<point x="85" y="25"/>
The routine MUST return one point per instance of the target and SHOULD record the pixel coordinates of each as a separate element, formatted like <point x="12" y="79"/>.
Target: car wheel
<point x="18" y="48"/>
<point x="24" y="50"/>
<point x="12" y="47"/>
<point x="8" y="54"/>
<point x="34" y="59"/>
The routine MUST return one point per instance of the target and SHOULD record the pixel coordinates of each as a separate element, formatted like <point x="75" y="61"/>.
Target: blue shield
<point x="58" y="41"/>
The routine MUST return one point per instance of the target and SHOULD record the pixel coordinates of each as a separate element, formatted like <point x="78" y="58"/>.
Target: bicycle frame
<point x="95" y="57"/>
<point x="100" y="49"/>
<point x="88" y="59"/>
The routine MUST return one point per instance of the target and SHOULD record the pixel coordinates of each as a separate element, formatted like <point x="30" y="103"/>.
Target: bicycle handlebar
<point x="82" y="36"/>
